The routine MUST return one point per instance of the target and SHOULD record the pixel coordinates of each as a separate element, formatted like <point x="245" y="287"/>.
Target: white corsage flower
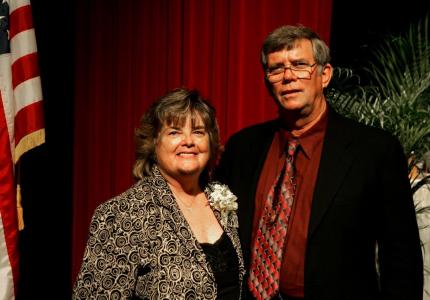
<point x="224" y="201"/>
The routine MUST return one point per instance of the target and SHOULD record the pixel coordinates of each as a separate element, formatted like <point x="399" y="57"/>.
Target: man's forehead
<point x="291" y="55"/>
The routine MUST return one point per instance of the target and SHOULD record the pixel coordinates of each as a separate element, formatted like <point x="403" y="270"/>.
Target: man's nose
<point x="288" y="74"/>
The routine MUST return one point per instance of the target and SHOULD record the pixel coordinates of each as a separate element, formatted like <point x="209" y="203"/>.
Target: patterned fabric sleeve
<point x="111" y="258"/>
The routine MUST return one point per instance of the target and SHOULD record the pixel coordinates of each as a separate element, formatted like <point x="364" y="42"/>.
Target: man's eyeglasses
<point x="300" y="70"/>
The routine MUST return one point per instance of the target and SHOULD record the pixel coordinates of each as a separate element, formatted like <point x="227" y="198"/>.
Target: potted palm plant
<point x="397" y="99"/>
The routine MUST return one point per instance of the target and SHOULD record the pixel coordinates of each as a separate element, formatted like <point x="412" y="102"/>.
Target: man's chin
<point x="288" y="102"/>
<point x="290" y="106"/>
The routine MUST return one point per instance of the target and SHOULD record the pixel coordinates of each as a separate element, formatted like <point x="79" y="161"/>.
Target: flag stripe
<point x="21" y="127"/>
<point x="20" y="20"/>
<point x="8" y="232"/>
<point x="28" y="92"/>
<point x="24" y="68"/>
<point x="16" y="4"/>
<point x="28" y="120"/>
<point x="7" y="95"/>
<point x="22" y="44"/>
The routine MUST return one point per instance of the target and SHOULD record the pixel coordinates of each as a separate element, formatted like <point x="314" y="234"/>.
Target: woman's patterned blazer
<point x="140" y="246"/>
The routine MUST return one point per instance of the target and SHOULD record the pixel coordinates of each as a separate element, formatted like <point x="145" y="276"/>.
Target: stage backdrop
<point x="128" y="53"/>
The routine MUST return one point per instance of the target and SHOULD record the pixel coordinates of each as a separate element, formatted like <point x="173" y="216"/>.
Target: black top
<point x="222" y="258"/>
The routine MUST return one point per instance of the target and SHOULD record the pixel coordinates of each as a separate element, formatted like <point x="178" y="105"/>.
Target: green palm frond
<point x="398" y="97"/>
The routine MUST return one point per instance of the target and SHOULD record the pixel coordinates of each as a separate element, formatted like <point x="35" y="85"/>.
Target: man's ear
<point x="326" y="74"/>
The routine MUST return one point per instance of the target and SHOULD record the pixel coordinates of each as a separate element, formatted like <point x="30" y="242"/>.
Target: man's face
<point x="301" y="95"/>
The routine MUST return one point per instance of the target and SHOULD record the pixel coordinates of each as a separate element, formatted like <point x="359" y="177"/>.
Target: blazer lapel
<point x="177" y="222"/>
<point x="234" y="237"/>
<point x="336" y="159"/>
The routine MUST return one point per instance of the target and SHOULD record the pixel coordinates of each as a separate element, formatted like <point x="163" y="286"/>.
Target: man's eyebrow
<point x="292" y="61"/>
<point x="279" y="64"/>
<point x="300" y="60"/>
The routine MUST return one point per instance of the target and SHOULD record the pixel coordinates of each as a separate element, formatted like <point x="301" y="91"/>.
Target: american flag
<point x="21" y="126"/>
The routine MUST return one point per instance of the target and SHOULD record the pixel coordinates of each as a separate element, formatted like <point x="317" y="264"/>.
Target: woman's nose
<point x="188" y="139"/>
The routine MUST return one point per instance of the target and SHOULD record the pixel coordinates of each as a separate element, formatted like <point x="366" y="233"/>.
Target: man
<point x="312" y="217"/>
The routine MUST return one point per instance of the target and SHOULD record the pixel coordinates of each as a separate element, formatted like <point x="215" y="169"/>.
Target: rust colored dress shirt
<point x="307" y="164"/>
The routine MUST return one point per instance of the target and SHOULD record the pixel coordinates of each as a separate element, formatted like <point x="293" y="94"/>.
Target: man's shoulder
<point x="256" y="131"/>
<point x="359" y="130"/>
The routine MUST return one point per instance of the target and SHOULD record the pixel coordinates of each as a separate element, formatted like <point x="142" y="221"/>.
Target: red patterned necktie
<point x="266" y="256"/>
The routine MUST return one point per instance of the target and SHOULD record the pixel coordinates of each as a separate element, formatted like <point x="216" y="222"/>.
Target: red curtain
<point x="128" y="53"/>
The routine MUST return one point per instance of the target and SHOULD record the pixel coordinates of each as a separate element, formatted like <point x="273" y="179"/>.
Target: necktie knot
<point x="292" y="146"/>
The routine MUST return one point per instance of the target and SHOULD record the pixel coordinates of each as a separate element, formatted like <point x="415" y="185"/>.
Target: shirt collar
<point x="309" y="140"/>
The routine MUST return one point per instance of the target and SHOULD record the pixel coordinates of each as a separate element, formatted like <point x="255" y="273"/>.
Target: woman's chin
<point x="188" y="169"/>
<point x="189" y="172"/>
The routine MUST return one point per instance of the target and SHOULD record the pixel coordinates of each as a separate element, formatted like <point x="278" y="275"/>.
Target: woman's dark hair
<point x="173" y="109"/>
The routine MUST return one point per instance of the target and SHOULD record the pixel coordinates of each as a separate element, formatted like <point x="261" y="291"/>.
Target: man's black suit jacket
<point x="362" y="198"/>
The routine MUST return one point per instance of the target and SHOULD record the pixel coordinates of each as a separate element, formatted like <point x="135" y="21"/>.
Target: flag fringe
<point x="19" y="209"/>
<point x="29" y="142"/>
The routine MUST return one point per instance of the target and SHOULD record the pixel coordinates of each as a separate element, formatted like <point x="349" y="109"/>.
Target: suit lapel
<point x="336" y="158"/>
<point x="257" y="154"/>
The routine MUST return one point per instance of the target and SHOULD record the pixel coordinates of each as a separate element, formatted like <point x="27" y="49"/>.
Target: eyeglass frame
<point x="292" y="68"/>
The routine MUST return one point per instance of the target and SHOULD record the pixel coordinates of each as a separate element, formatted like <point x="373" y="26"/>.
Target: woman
<point x="174" y="233"/>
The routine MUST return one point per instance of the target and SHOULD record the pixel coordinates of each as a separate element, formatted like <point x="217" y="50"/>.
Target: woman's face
<point x="183" y="151"/>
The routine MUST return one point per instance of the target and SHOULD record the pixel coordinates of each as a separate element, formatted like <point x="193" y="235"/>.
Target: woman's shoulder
<point x="131" y="201"/>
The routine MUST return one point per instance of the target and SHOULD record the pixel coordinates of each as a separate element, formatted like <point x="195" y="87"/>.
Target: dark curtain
<point x="45" y="172"/>
<point x="128" y="53"/>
